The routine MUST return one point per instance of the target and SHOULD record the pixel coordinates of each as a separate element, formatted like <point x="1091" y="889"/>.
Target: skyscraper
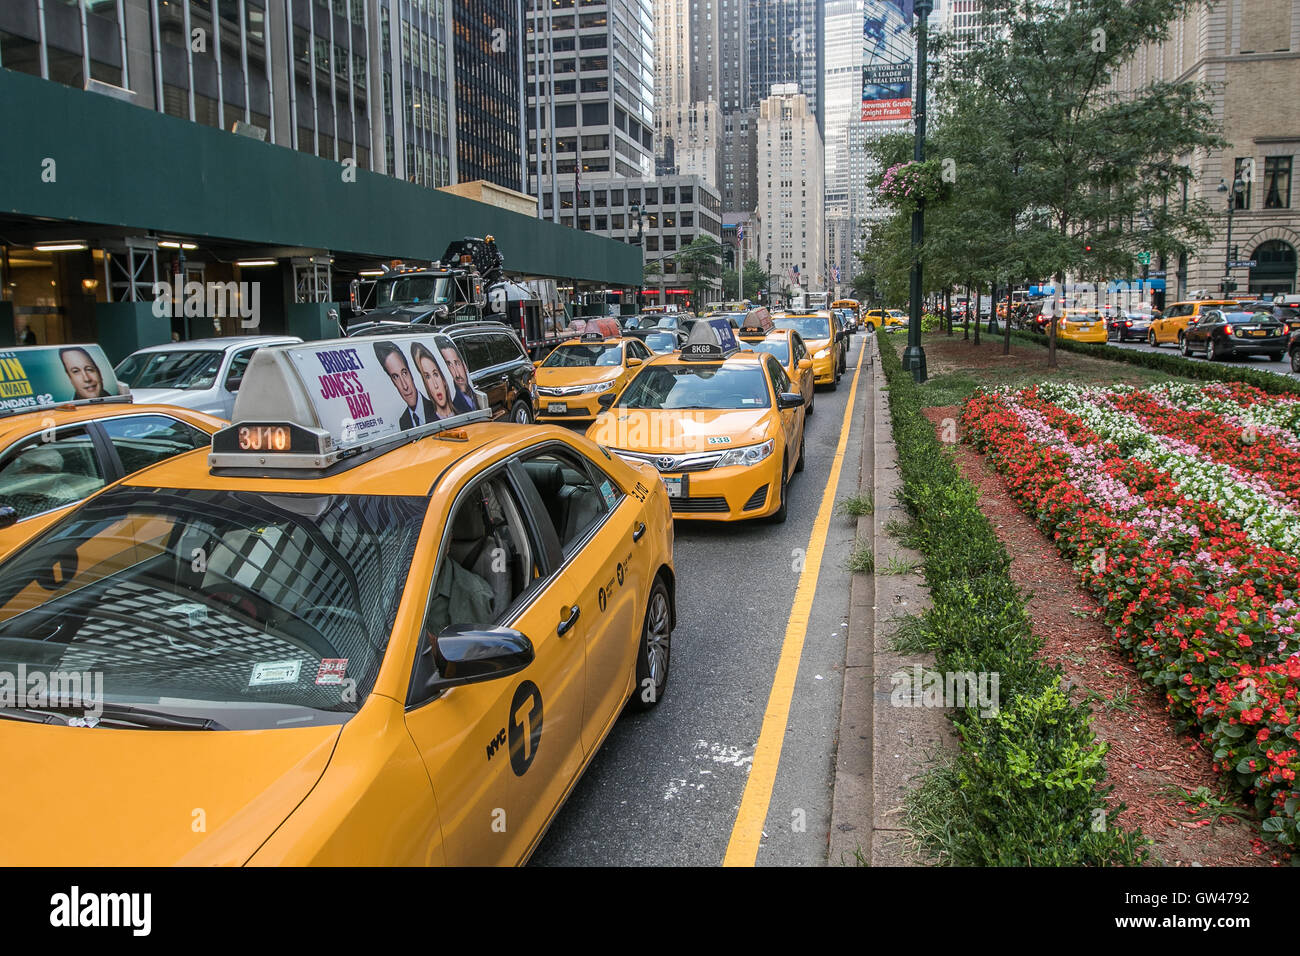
<point x="785" y="46"/>
<point x="487" y="47"/>
<point x="791" y="188"/>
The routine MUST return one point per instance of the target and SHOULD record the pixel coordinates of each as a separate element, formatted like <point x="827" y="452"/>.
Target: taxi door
<point x="501" y="753"/>
<point x="791" y="418"/>
<point x="599" y="533"/>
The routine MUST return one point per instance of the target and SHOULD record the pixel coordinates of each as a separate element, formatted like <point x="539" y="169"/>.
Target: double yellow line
<point x="747" y="832"/>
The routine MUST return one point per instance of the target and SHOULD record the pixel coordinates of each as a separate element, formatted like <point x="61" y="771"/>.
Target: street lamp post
<point x="914" y="354"/>
<point x="769" y="279"/>
<point x="1233" y="193"/>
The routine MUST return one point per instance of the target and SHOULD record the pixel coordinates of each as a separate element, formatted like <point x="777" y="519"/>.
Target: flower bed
<point x="1180" y="506"/>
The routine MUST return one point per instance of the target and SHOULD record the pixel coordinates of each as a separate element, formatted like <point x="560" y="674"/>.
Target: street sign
<point x="1157" y="273"/>
<point x="1242" y="264"/>
<point x="1144" y="258"/>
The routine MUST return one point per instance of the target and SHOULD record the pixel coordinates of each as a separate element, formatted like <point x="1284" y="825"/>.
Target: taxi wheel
<point x="654" y="652"/>
<point x="521" y="414"/>
<point x="1151" y="339"/>
<point x="778" y="516"/>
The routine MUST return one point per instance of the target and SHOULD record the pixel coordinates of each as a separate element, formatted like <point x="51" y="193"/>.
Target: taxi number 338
<point x="263" y="438"/>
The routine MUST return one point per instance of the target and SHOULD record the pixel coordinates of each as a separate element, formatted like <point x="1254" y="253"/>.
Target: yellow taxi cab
<point x="724" y="427"/>
<point x="577" y="373"/>
<point x="335" y="638"/>
<point x="1169" y="328"/>
<point x="787" y="345"/>
<point x="68" y="428"/>
<point x="1082" y="325"/>
<point x="875" y="318"/>
<point x="817" y="328"/>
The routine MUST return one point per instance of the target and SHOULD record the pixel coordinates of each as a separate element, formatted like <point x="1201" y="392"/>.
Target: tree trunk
<point x="979" y="288"/>
<point x="1057" y="293"/>
<point x="947" y="308"/>
<point x="965" y="319"/>
<point x="1006" y="326"/>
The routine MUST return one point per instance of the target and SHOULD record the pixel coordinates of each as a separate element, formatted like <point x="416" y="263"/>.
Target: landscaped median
<point x="1172" y="363"/>
<point x="1027" y="784"/>
<point x="1177" y="504"/>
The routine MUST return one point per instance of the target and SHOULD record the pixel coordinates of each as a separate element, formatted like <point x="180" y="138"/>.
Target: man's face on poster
<point x="400" y="373"/>
<point x="87" y="382"/>
<point x="457" y="368"/>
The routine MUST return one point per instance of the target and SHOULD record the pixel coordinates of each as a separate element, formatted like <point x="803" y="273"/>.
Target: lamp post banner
<point x="887" y="60"/>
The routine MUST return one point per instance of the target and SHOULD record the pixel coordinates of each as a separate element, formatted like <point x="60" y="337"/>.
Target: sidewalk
<point x="881" y="748"/>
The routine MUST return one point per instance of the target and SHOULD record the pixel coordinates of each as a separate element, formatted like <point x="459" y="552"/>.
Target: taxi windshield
<point x="777" y="347"/>
<point x="410" y="290"/>
<point x="251" y="610"/>
<point x="585" y="356"/>
<point x="809" y="326"/>
<point x="697" y="386"/>
<point x="195" y="369"/>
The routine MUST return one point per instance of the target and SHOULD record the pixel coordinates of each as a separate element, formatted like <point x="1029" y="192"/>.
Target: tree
<point x="700" y="259"/>
<point x="755" y="279"/>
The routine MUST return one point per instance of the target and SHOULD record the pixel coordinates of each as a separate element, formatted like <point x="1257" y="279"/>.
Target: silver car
<point x="202" y="374"/>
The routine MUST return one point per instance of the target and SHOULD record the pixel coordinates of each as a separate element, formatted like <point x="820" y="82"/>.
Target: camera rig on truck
<point x="467" y="284"/>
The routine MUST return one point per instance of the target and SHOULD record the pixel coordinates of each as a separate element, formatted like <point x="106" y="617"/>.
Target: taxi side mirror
<point x="538" y="363"/>
<point x="805" y="364"/>
<point x="471" y="656"/>
<point x="634" y="363"/>
<point x="789" y="400"/>
<point x="607" y="400"/>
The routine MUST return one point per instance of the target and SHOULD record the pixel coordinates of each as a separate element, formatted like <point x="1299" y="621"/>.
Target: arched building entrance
<point x="1275" y="268"/>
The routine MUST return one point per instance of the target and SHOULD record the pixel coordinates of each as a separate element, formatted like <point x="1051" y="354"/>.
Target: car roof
<point x="219" y="344"/>
<point x="408" y="469"/>
<point x="22" y="423"/>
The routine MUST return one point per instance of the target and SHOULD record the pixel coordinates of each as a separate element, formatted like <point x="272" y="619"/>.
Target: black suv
<point x="497" y="365"/>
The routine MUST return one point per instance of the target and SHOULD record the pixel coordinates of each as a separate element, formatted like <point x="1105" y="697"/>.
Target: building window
<point x="1277" y="182"/>
<point x="1246" y="164"/>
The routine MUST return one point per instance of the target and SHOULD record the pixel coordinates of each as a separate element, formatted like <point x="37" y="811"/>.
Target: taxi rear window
<point x="697" y="386"/>
<point x="810" y="327"/>
<point x="252" y="610"/>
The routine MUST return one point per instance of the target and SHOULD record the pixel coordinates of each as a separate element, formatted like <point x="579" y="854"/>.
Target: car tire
<point x="521" y="413"/>
<point x="1211" y="353"/>
<point x="778" y="516"/>
<point x="654" y="651"/>
<point x="799" y="465"/>
<point x="1184" y="348"/>
<point x="1151" y="339"/>
<point x="1295" y="360"/>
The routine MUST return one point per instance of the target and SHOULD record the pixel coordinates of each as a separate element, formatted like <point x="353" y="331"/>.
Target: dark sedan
<point x="1128" y="326"/>
<point x="1221" y="334"/>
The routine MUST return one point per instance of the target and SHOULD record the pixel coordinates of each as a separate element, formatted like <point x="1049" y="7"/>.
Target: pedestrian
<point x="28" y="337"/>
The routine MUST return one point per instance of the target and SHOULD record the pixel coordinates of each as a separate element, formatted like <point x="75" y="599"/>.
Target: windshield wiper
<point x="114" y="714"/>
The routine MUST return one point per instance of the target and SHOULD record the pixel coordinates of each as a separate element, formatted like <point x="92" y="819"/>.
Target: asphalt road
<point x="1246" y="361"/>
<point x="666" y="786"/>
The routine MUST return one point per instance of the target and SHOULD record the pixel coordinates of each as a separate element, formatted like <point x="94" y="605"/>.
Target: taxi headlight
<point x="749" y="455"/>
<point x="599" y="387"/>
<point x="824" y="353"/>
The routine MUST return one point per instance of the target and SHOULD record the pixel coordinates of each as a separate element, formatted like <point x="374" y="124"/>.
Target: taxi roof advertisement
<point x="372" y="388"/>
<point x="52" y="375"/>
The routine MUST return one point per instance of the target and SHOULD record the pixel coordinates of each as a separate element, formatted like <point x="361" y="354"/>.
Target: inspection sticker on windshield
<point x="275" y="672"/>
<point x="720" y="440"/>
<point x="331" y="670"/>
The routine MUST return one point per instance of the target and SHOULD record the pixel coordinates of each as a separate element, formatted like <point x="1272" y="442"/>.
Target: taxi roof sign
<point x="307" y="406"/>
<point x="710" y="340"/>
<point x="42" y="376"/>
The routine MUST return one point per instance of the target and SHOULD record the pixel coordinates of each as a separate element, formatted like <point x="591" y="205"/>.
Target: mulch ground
<point x="1147" y="754"/>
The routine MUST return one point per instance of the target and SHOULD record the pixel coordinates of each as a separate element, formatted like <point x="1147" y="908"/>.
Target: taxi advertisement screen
<point x="370" y="389"/>
<point x="52" y="375"/>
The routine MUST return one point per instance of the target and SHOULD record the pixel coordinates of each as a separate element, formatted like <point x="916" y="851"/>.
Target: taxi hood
<point x="79" y="796"/>
<point x="678" y="431"/>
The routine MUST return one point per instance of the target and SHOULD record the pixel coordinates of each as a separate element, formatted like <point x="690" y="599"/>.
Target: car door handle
<point x="569" y="621"/>
<point x="638" y="531"/>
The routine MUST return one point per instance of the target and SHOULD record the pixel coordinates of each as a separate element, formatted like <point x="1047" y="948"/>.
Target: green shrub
<point x="1026" y="787"/>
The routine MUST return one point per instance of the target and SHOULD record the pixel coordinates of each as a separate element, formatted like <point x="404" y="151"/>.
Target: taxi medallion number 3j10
<point x="263" y="438"/>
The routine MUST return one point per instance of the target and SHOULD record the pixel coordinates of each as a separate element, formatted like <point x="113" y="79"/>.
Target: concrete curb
<point x="881" y="748"/>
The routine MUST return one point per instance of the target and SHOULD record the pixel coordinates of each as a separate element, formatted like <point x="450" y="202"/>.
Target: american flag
<point x="740" y="232"/>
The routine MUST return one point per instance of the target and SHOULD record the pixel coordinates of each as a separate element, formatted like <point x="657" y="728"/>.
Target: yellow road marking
<point x="742" y="849"/>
